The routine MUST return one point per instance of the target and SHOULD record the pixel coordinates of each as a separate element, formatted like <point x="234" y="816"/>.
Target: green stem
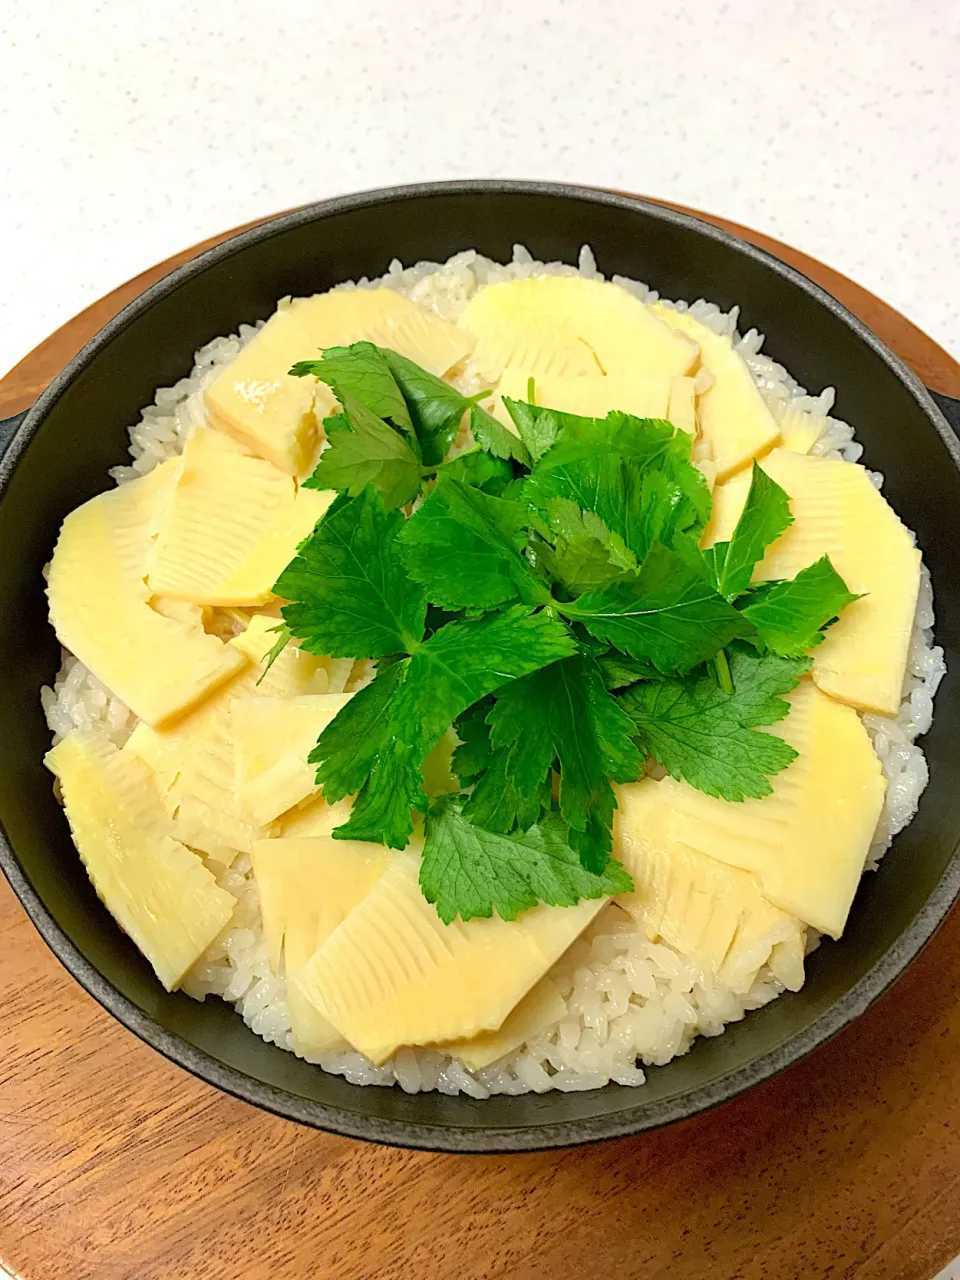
<point x="568" y="608"/>
<point x="721" y="669"/>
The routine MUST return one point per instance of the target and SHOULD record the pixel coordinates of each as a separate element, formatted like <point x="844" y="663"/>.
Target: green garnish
<point x="494" y="437"/>
<point x="361" y="371"/>
<point x="427" y="690"/>
<point x="464" y="547"/>
<point x="469" y="872"/>
<point x="349" y="593"/>
<point x="619" y="671"/>
<point x="706" y="736"/>
<point x="765" y="516"/>
<point x="635" y="474"/>
<point x="790" y="616"/>
<point x="435" y="407"/>
<point x="666" y="613"/>
<point x="584" y="554"/>
<point x="564" y="713"/>
<point x="482" y="470"/>
<point x="538" y="427"/>
<point x="547" y="597"/>
<point x="284" y="636"/>
<point x="365" y="450"/>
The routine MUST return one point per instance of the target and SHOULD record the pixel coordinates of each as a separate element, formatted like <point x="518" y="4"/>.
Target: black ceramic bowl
<point x="58" y="457"/>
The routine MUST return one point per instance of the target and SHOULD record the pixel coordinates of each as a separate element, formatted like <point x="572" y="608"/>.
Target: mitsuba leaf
<point x="435" y="407"/>
<point x="460" y="664"/>
<point x="364" y="450"/>
<point x="469" y="872"/>
<point x="765" y="516"/>
<point x="464" y="547"/>
<point x="498" y="802"/>
<point x="634" y="473"/>
<point x="619" y="671"/>
<point x="564" y="713"/>
<point x="712" y="739"/>
<point x="347" y="590"/>
<point x="473" y="754"/>
<point x="361" y="372"/>
<point x="585" y="554"/>
<point x="668" y="613"/>
<point x="353" y="741"/>
<point x="480" y="470"/>
<point x="539" y="427"/>
<point x="789" y="616"/>
<point x="495" y="439"/>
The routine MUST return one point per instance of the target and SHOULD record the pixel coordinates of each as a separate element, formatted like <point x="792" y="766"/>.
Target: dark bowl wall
<point x="81" y="433"/>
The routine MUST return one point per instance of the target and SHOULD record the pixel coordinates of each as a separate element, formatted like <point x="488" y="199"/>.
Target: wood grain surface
<point x="115" y="1164"/>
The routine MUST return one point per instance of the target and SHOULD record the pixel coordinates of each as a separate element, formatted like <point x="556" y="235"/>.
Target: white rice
<point x="629" y="1000"/>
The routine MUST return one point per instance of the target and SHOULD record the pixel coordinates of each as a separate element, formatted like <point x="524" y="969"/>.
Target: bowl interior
<point x="82" y="433"/>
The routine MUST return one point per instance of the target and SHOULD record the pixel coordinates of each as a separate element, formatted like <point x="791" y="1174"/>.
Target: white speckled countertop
<point x="130" y="130"/>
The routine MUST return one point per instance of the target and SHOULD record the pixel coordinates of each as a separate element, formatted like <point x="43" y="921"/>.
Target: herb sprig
<point x="543" y="592"/>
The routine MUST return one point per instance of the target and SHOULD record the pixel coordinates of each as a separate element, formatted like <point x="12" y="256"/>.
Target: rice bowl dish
<point x="620" y="996"/>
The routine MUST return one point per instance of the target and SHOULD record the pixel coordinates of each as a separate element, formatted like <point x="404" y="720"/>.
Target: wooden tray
<point x="116" y="1164"/>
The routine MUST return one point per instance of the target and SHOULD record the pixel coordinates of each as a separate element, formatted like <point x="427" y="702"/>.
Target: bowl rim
<point x="448" y="1138"/>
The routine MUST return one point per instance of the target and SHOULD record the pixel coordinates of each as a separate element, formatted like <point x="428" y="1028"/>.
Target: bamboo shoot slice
<point x="272" y="739"/>
<point x="100" y="605"/>
<point x="307" y="887"/>
<point x="732" y="413"/>
<point x="807" y="842"/>
<point x="159" y="892"/>
<point x="394" y="974"/>
<point x="232" y="526"/>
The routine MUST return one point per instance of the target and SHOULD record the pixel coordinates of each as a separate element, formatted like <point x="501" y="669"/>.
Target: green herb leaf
<point x="470" y="872"/>
<point x="498" y="803"/>
<point x="480" y="470"/>
<point x="352" y="742"/>
<point x="539" y="428"/>
<point x="284" y="636"/>
<point x="586" y="554"/>
<point x="363" y="450"/>
<point x="349" y="593"/>
<point x="473" y="754"/>
<point x="565" y="713"/>
<point x="361" y="372"/>
<point x="435" y="407"/>
<point x="674" y="501"/>
<point x="494" y="437"/>
<point x="789" y="616"/>
<point x="464" y="547"/>
<point x="634" y="473"/>
<point x="765" y="516"/>
<point x="388" y="384"/>
<point x="460" y="664"/>
<point x="712" y="739"/>
<point x="668" y="613"/>
<point x="619" y="671"/>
